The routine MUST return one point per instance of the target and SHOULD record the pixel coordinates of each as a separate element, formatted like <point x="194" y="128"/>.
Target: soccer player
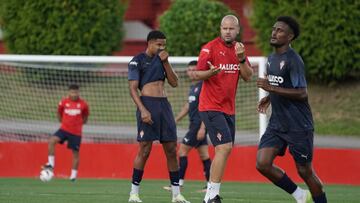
<point x="155" y="119"/>
<point x="196" y="136"/>
<point x="222" y="62"/>
<point x="73" y="113"/>
<point x="291" y="122"/>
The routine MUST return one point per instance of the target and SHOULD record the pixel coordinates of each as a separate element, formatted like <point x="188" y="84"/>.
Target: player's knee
<point x="171" y="151"/>
<point x="304" y="172"/>
<point x="263" y="166"/>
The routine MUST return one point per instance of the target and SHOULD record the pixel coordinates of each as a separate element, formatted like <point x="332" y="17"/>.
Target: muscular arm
<point x="291" y="93"/>
<point x="85" y="119"/>
<point x="246" y="71"/>
<point x="170" y="73"/>
<point x="204" y="74"/>
<point x="145" y="114"/>
<point x="184" y="111"/>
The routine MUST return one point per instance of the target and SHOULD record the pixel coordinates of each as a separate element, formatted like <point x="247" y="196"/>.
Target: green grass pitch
<point x="21" y="190"/>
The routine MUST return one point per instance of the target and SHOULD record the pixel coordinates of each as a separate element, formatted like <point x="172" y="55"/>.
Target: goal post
<point x="32" y="85"/>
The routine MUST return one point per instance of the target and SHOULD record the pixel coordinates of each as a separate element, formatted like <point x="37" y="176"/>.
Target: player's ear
<point x="290" y="37"/>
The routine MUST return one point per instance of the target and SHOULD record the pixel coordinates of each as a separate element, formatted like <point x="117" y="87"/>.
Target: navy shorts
<point x="190" y="138"/>
<point x="300" y="143"/>
<point x="220" y="126"/>
<point x="73" y="141"/>
<point x="163" y="127"/>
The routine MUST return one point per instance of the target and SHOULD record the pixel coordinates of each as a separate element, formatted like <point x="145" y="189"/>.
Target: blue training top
<point x="194" y="94"/>
<point x="287" y="70"/>
<point x="146" y="69"/>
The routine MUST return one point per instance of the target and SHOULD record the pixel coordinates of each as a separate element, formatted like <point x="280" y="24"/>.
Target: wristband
<point x="243" y="61"/>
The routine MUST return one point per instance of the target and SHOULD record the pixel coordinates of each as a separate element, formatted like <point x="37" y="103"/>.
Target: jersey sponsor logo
<point x="192" y="98"/>
<point x="133" y="63"/>
<point x="275" y="80"/>
<point x="72" y="112"/>
<point x="219" y="136"/>
<point x="229" y="66"/>
<point x="205" y="50"/>
<point x="282" y="63"/>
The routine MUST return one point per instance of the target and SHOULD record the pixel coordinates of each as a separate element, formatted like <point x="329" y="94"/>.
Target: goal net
<point x="31" y="87"/>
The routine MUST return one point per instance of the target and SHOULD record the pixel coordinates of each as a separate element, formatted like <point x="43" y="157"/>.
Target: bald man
<point x="222" y="62"/>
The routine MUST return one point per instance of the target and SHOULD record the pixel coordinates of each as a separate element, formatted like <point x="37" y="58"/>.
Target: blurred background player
<point x="196" y="136"/>
<point x="73" y="113"/>
<point x="222" y="62"/>
<point x="291" y="122"/>
<point x="155" y="119"/>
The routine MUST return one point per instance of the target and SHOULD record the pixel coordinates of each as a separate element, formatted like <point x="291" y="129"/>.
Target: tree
<point x="189" y="24"/>
<point x="62" y="27"/>
<point x="330" y="36"/>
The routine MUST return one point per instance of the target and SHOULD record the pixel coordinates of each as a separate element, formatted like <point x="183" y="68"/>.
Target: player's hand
<point x="214" y="70"/>
<point x="146" y="117"/>
<point x="240" y="50"/>
<point x="264" y="84"/>
<point x="200" y="134"/>
<point x="263" y="105"/>
<point x="164" y="55"/>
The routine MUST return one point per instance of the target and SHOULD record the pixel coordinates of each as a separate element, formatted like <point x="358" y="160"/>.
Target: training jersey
<point x="194" y="94"/>
<point x="72" y="113"/>
<point x="219" y="91"/>
<point x="146" y="69"/>
<point x="287" y="70"/>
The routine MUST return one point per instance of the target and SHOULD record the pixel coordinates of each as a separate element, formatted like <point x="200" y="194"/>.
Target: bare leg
<point x="142" y="155"/>
<point x="307" y="173"/>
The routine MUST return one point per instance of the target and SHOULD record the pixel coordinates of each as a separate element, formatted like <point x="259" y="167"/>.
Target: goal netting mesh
<point x="32" y="86"/>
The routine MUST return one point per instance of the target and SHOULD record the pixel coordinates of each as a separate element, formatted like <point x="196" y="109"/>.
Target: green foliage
<point x="189" y="24"/>
<point x="329" y="41"/>
<point x="62" y="27"/>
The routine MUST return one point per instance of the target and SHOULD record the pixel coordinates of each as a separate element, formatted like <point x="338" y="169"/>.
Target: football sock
<point x="136" y="179"/>
<point x="207" y="164"/>
<point x="286" y="184"/>
<point x="181" y="182"/>
<point x="183" y="163"/>
<point x="73" y="174"/>
<point x="320" y="199"/>
<point x="298" y="193"/>
<point x="214" y="189"/>
<point x="51" y="160"/>
<point x="174" y="181"/>
<point x="206" y="198"/>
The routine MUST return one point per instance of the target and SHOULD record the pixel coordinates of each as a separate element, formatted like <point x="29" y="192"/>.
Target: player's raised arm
<point x="170" y="73"/>
<point x="245" y="69"/>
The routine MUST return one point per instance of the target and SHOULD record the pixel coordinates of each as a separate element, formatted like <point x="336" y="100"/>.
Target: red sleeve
<point x="61" y="107"/>
<point x="204" y="57"/>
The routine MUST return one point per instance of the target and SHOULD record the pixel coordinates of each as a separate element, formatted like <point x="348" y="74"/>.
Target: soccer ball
<point x="46" y="175"/>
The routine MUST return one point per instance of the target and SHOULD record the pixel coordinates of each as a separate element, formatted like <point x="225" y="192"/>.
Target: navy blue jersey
<point x="146" y="69"/>
<point x="194" y="93"/>
<point x="286" y="70"/>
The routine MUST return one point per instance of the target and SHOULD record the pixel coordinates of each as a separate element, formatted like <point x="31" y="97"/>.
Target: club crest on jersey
<point x="219" y="136"/>
<point x="67" y="105"/>
<point x="282" y="64"/>
<point x="222" y="53"/>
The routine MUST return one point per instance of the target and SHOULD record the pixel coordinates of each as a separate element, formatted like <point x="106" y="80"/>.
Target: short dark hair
<point x="292" y="23"/>
<point x="155" y="34"/>
<point x="74" y="87"/>
<point x="192" y="63"/>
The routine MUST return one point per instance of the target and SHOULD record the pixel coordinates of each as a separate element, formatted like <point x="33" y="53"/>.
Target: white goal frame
<point x="261" y="61"/>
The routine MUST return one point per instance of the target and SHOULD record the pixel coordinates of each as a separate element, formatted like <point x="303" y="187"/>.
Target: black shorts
<point x="300" y="143"/>
<point x="73" y="141"/>
<point x="220" y="126"/>
<point x="163" y="127"/>
<point x="190" y="138"/>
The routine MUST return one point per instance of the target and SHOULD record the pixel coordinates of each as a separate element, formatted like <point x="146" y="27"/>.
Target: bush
<point x="189" y="24"/>
<point x="62" y="27"/>
<point x="329" y="41"/>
